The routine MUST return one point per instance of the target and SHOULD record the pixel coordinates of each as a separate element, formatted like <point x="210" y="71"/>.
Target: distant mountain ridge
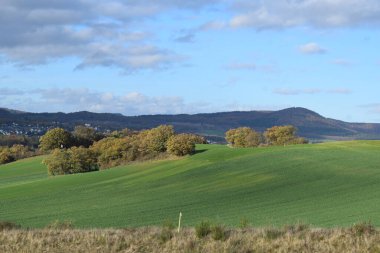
<point x="309" y="123"/>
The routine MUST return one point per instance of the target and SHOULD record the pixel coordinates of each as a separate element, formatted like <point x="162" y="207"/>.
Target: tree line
<point x="277" y="135"/>
<point x="84" y="150"/>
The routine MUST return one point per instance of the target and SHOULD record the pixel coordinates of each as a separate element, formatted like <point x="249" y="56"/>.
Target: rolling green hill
<point x="330" y="184"/>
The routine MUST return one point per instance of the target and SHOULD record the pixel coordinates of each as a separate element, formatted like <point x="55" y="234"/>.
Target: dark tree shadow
<point x="200" y="151"/>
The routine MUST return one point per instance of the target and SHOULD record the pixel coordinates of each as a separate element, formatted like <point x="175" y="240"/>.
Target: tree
<point x="282" y="135"/>
<point x="71" y="161"/>
<point x="6" y="156"/>
<point x="243" y="137"/>
<point x="197" y="139"/>
<point x="58" y="162"/>
<point x="85" y="136"/>
<point x="115" y="151"/>
<point x="126" y="132"/>
<point x="56" y="138"/>
<point x="155" y="139"/>
<point x="181" y="145"/>
<point x="82" y="160"/>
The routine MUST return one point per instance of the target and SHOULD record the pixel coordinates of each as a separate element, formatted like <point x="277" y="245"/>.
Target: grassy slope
<point x="327" y="184"/>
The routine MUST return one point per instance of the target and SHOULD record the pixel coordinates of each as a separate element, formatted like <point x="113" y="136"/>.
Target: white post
<point x="179" y="221"/>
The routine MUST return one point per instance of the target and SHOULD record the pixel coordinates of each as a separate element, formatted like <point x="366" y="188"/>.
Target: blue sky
<point x="158" y="57"/>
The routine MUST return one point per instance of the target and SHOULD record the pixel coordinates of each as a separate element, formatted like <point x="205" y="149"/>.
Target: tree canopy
<point x="243" y="137"/>
<point x="56" y="138"/>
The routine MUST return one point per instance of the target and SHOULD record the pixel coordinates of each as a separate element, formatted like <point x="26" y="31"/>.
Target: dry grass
<point x="288" y="239"/>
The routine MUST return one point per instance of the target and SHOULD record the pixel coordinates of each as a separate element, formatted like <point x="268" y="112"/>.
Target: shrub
<point x="60" y="225"/>
<point x="168" y="224"/>
<point x="244" y="223"/>
<point x="197" y="139"/>
<point x="273" y="233"/>
<point x="243" y="137"/>
<point x="115" y="151"/>
<point x="363" y="228"/>
<point x="296" y="228"/>
<point x="283" y="135"/>
<point x="166" y="234"/>
<point x="20" y="151"/>
<point x="7" y="225"/>
<point x="6" y="156"/>
<point x="56" y="138"/>
<point x="203" y="229"/>
<point x="155" y="139"/>
<point x="86" y="136"/>
<point x="74" y="160"/>
<point x="218" y="233"/>
<point x="14" y="153"/>
<point x="181" y="144"/>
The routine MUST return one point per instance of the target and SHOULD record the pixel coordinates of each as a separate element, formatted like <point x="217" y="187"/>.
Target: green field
<point x="330" y="184"/>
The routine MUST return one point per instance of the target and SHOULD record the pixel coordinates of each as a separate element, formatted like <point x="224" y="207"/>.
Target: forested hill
<point x="310" y="124"/>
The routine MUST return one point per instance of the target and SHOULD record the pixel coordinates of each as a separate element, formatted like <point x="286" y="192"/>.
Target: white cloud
<point x="311" y="48"/>
<point x="343" y="91"/>
<point x="342" y="62"/>
<point x="311" y="91"/>
<point x="10" y="92"/>
<point x="70" y="100"/>
<point x="98" y="33"/>
<point x="279" y="14"/>
<point x="288" y="91"/>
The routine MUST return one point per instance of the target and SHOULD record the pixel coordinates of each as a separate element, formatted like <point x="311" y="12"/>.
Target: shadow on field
<point x="200" y="151"/>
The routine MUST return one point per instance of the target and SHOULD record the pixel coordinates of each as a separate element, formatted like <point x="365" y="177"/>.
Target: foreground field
<point x="326" y="185"/>
<point x="144" y="240"/>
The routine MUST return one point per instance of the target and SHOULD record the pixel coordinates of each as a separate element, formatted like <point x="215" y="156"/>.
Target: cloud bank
<point x="97" y="33"/>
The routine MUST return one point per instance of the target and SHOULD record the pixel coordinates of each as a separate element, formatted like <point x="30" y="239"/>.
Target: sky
<point x="172" y="56"/>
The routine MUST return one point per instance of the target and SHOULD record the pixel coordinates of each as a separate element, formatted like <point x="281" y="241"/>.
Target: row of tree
<point x="14" y="153"/>
<point x="13" y="139"/>
<point x="61" y="138"/>
<point x="277" y="135"/>
<point x="120" y="147"/>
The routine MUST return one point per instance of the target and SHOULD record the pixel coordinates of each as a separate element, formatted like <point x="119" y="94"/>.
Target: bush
<point x="243" y="137"/>
<point x="363" y="228"/>
<point x="155" y="140"/>
<point x="299" y="227"/>
<point x="14" y="153"/>
<point x="86" y="136"/>
<point x="62" y="225"/>
<point x="56" y="138"/>
<point x="6" y="156"/>
<point x="7" y="225"/>
<point x="74" y="160"/>
<point x="283" y="135"/>
<point x="166" y="234"/>
<point x="244" y="223"/>
<point x="197" y="139"/>
<point x="115" y="151"/>
<point x="218" y="233"/>
<point x="203" y="229"/>
<point x="181" y="144"/>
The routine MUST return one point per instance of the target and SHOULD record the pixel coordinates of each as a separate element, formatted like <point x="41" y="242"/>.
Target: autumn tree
<point x="71" y="161"/>
<point x="126" y="132"/>
<point x="6" y="156"/>
<point x="155" y="139"/>
<point x="181" y="144"/>
<point x="282" y="135"/>
<point x="115" y="151"/>
<point x="56" y="138"/>
<point x="197" y="139"/>
<point x="243" y="137"/>
<point x="85" y="136"/>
